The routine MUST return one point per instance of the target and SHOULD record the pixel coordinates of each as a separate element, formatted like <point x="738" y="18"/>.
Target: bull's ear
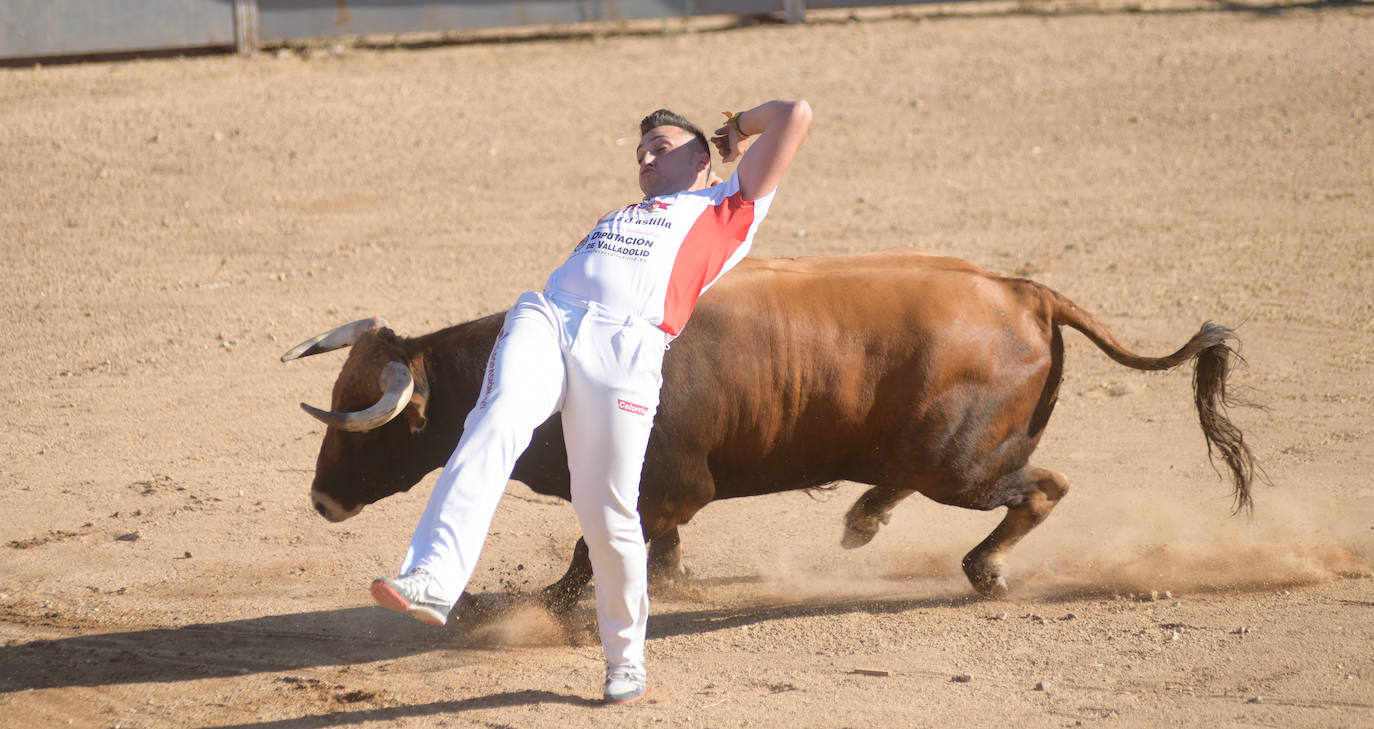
<point x="416" y="412"/>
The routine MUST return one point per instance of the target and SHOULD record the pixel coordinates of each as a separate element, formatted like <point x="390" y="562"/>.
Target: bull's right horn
<point x="336" y="338"/>
<point x="397" y="387"/>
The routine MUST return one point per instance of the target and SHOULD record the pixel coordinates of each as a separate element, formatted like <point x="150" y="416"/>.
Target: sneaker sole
<point x="608" y="701"/>
<point x="390" y="599"/>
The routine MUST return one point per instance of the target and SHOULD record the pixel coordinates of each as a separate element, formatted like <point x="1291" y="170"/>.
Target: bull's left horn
<point x="336" y="338"/>
<point x="397" y="386"/>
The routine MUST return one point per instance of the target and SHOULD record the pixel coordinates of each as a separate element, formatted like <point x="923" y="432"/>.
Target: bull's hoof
<point x="860" y="527"/>
<point x="855" y="538"/>
<point x="676" y="586"/>
<point x="469" y="610"/>
<point x="668" y="578"/>
<point x="560" y="599"/>
<point x="990" y="587"/>
<point x="986" y="578"/>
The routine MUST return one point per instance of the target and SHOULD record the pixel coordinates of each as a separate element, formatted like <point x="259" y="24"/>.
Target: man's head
<point x="673" y="155"/>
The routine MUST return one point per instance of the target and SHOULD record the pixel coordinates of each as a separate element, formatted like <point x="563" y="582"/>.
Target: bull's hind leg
<point x="870" y="512"/>
<point x="983" y="565"/>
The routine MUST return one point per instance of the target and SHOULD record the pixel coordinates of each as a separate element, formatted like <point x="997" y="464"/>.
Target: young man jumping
<point x="591" y="346"/>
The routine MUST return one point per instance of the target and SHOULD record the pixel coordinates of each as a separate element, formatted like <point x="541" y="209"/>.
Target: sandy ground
<point x="170" y="227"/>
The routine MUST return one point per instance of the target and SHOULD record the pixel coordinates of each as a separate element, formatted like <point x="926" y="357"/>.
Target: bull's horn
<point x="336" y="338"/>
<point x="397" y="386"/>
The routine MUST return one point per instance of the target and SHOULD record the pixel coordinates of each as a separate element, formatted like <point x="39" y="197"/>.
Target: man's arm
<point x="780" y="127"/>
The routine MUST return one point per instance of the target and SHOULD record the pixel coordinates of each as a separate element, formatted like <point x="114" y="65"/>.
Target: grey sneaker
<point x="414" y="593"/>
<point x="624" y="686"/>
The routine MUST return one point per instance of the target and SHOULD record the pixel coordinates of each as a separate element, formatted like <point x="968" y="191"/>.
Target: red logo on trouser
<point x="631" y="408"/>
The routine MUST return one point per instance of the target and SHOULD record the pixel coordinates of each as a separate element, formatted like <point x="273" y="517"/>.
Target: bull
<point x="906" y="371"/>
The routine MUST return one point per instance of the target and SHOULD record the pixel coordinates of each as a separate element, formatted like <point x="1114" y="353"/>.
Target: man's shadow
<point x="349" y="636"/>
<point x="283" y="643"/>
<point x="216" y="650"/>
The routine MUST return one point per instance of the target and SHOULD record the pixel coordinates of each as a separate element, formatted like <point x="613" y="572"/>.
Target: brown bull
<point x="906" y="371"/>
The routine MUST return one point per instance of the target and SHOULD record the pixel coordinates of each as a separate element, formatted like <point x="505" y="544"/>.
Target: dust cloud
<point x="1128" y="544"/>
<point x="524" y="624"/>
<point x="1140" y="545"/>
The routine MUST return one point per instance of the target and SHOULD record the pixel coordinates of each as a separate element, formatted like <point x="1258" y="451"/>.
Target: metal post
<point x="246" y="26"/>
<point x="794" y="11"/>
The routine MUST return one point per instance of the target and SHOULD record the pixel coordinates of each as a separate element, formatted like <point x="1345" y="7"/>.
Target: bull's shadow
<point x="348" y="636"/>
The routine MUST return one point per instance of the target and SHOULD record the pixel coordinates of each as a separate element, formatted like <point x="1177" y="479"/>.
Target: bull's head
<point x="377" y="415"/>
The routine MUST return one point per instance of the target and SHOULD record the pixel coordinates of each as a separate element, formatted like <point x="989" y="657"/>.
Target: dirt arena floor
<point x="169" y="227"/>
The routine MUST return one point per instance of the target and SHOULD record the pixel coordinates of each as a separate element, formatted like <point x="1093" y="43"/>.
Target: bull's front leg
<point x="665" y="568"/>
<point x="561" y="596"/>
<point x="665" y="559"/>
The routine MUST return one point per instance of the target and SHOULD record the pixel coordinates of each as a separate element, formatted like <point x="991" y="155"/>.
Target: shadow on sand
<point x="215" y="650"/>
<point x="396" y="713"/>
<point x="351" y="636"/>
<point x="354" y="636"/>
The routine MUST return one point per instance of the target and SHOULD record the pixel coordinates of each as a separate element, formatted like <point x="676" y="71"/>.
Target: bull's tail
<point x="1214" y="361"/>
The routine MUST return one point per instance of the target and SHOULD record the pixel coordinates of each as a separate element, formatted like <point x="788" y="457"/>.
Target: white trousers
<point x="603" y="371"/>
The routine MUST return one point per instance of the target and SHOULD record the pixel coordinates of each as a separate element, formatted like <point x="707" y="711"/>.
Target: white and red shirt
<point x="655" y="258"/>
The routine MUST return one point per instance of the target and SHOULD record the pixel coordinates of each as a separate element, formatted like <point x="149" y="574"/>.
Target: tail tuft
<point x="1211" y="371"/>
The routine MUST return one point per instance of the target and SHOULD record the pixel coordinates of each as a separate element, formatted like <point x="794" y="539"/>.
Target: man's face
<point x="669" y="161"/>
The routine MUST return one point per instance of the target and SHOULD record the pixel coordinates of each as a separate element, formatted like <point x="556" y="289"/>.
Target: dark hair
<point x="666" y="118"/>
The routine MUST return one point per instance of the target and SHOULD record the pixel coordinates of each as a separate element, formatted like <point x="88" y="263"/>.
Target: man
<point x="591" y="346"/>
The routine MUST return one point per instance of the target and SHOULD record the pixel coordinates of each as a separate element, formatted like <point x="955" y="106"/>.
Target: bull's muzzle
<point x="329" y="508"/>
